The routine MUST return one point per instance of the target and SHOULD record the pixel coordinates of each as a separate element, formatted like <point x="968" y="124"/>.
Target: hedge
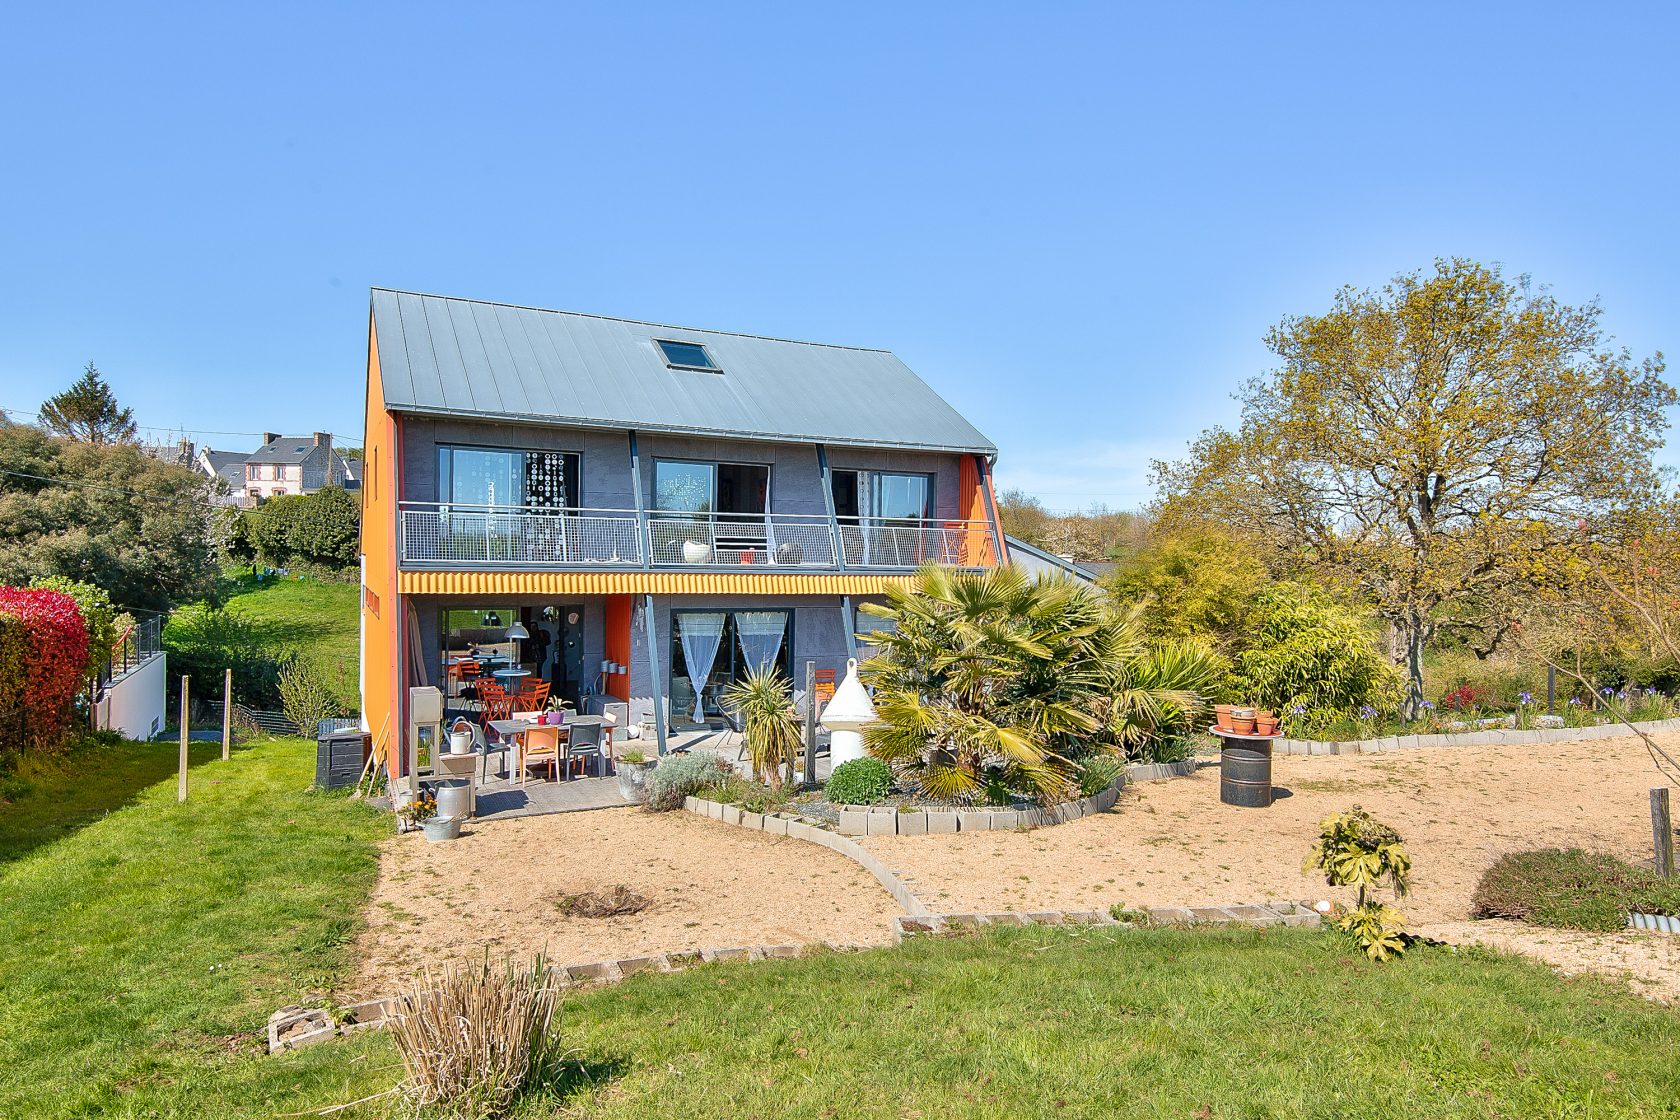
<point x="43" y="655"/>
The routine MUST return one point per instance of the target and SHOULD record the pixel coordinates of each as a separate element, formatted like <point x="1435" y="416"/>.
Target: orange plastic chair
<point x="825" y="689"/>
<point x="542" y="744"/>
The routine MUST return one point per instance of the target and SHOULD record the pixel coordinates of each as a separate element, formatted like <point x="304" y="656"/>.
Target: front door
<point x="561" y="656"/>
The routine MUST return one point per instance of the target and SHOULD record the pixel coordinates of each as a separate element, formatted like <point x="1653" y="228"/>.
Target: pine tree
<point x="88" y="412"/>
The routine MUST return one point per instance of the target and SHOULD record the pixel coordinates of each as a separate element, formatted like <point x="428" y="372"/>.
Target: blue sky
<point x="1075" y="222"/>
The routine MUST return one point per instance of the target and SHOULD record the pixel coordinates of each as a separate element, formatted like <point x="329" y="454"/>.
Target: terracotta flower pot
<point x="1266" y="726"/>
<point x="1242" y="725"/>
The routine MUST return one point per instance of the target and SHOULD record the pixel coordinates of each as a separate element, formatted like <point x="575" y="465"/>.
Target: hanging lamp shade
<point x="517" y="631"/>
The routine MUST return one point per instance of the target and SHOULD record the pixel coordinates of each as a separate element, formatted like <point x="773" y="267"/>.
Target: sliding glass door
<point x="709" y="512"/>
<point x="884" y="517"/>
<point x="710" y="650"/>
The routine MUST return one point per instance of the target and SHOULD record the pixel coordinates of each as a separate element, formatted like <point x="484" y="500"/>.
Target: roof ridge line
<point x="624" y="319"/>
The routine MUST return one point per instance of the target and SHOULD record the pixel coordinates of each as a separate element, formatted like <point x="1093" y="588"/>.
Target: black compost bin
<point x="340" y="755"/>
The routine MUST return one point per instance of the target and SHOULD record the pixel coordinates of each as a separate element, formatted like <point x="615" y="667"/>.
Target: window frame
<point x="445" y="479"/>
<point x="714" y="464"/>
<point x="672" y="363"/>
<point x="673" y="642"/>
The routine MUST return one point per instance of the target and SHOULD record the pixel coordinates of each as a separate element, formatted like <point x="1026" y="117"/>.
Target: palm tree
<point x="993" y="684"/>
<point x="763" y="701"/>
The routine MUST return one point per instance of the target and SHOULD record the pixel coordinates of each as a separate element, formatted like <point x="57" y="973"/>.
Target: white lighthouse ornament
<point x="846" y="716"/>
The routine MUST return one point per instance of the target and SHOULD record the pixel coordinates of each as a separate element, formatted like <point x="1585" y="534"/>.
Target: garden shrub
<point x="862" y="781"/>
<point x="43" y="659"/>
<point x="1312" y="660"/>
<point x="1356" y="850"/>
<point x="203" y="641"/>
<point x="1568" y="888"/>
<point x="683" y="776"/>
<point x="1098" y="773"/>
<point x="98" y="615"/>
<point x="319" y="531"/>
<point x="304" y="695"/>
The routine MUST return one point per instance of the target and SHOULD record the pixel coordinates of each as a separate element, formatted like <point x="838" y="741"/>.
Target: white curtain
<point x="760" y="633"/>
<point x="702" y="633"/>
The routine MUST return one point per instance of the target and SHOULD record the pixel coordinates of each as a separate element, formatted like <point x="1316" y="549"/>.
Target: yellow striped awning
<point x="643" y="583"/>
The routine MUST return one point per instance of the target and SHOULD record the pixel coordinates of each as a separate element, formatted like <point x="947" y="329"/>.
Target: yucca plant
<point x="763" y="701"/>
<point x="997" y="683"/>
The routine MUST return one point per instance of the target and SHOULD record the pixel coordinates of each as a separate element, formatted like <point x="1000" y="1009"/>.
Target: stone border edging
<point x="1496" y="736"/>
<point x="371" y="1014"/>
<point x="319" y="1024"/>
<point x="1259" y="914"/>
<point x="784" y="824"/>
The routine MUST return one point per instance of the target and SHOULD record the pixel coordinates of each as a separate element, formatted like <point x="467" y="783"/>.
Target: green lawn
<point x="142" y="951"/>
<point x="141" y="954"/>
<point x="318" y="618"/>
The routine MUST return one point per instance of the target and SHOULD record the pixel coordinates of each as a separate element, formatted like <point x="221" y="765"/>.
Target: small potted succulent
<point x="633" y="767"/>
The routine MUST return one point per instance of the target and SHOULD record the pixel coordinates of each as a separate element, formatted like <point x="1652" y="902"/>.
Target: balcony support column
<point x="642" y="523"/>
<point x="828" y="504"/>
<point x="1000" y="556"/>
<point x="651" y="626"/>
<point x="849" y="622"/>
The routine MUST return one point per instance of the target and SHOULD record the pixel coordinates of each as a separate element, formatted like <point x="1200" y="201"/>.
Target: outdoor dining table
<point x="513" y="730"/>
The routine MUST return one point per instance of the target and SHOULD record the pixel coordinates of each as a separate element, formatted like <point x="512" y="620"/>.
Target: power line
<point x="29" y="418"/>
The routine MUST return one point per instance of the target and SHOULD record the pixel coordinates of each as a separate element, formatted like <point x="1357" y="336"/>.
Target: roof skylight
<point x="687" y="355"/>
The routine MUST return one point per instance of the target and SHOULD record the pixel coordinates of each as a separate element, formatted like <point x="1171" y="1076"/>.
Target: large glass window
<point x="684" y="487"/>
<point x="485" y="476"/>
<point x="710" y="650"/>
<point x="882" y="494"/>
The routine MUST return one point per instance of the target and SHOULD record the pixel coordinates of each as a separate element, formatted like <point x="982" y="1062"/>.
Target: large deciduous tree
<point x="88" y="412"/>
<point x="1436" y="443"/>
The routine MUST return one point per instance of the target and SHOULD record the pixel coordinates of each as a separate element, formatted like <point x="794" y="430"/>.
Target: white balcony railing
<point x="515" y="536"/>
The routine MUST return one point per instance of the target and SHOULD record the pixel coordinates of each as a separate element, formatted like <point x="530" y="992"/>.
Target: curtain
<point x="702" y="633"/>
<point x="760" y="633"/>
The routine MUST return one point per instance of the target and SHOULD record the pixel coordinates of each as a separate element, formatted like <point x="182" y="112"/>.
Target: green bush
<point x="1098" y="773"/>
<point x="684" y="776"/>
<point x="319" y="531"/>
<point x="203" y="641"/>
<point x="1571" y="889"/>
<point x="1312" y="660"/>
<point x="305" y="696"/>
<point x="862" y="781"/>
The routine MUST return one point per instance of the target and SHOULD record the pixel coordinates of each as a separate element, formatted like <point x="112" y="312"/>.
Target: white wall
<point x="135" y="704"/>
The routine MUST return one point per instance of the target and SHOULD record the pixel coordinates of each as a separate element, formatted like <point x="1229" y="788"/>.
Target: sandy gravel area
<point x="712" y="885"/>
<point x="1172" y="842"/>
<point x="1458" y="808"/>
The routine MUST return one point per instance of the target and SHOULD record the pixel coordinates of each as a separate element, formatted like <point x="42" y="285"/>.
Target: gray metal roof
<point x="229" y="464"/>
<point x="445" y="356"/>
<point x="286" y="449"/>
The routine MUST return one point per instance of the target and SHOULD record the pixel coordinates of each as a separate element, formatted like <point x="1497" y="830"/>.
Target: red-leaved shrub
<point x="43" y="651"/>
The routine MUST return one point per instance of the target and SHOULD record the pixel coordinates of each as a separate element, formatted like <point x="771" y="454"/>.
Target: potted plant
<point x="413" y="810"/>
<point x="633" y="767"/>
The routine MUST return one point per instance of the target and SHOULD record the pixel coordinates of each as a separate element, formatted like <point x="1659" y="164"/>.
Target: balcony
<point x="515" y="537"/>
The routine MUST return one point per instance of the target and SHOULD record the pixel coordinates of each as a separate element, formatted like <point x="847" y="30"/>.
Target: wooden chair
<point x="542" y="744"/>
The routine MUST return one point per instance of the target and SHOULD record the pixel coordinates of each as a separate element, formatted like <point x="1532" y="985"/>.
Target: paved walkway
<point x="499" y="798"/>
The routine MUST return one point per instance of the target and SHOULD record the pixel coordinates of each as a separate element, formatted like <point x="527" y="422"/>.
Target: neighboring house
<point x="229" y="468"/>
<point x="682" y="503"/>
<point x="1036" y="561"/>
<point x="282" y="465"/>
<point x="292" y="465"/>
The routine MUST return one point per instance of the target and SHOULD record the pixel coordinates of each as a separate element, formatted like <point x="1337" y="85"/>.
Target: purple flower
<point x="1368" y="712"/>
<point x="1429" y="705"/>
<point x="1574" y="701"/>
<point x="1525" y="698"/>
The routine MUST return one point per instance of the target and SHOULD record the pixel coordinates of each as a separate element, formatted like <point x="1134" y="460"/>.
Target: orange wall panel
<point x="620" y="610"/>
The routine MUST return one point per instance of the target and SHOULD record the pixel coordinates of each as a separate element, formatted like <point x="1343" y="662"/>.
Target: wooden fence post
<point x="227" y="714"/>
<point x="810" y="725"/>
<point x="181" y="778"/>
<point x="1662" y="832"/>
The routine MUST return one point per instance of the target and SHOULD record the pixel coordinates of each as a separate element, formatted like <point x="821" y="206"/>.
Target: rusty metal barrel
<point x="1245" y="771"/>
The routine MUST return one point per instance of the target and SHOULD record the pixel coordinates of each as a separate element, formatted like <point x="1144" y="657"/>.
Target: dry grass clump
<point x="603" y="904"/>
<point x="471" y="1038"/>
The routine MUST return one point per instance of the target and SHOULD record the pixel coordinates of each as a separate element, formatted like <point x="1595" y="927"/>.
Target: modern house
<point x="638" y="513"/>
